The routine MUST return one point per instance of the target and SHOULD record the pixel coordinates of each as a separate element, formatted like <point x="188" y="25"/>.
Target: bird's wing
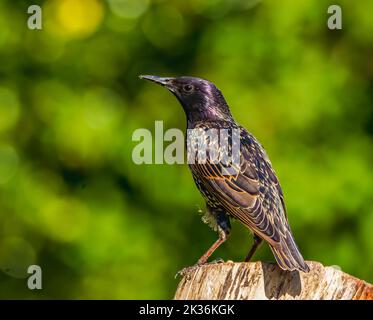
<point x="252" y="194"/>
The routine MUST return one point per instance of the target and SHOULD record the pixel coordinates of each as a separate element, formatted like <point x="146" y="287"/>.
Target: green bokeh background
<point x="73" y="201"/>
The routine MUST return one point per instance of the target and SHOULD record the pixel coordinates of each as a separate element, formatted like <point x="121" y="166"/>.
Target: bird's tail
<point x="288" y="256"/>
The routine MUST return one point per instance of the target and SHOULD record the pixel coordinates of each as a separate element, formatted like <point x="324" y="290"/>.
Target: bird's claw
<point x="187" y="270"/>
<point x="218" y="260"/>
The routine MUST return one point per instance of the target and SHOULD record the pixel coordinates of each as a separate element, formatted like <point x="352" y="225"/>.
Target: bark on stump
<point x="258" y="280"/>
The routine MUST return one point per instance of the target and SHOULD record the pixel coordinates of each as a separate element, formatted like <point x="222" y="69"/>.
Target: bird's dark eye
<point x="188" y="88"/>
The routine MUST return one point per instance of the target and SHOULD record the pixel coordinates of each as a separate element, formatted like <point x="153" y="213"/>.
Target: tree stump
<point x="258" y="280"/>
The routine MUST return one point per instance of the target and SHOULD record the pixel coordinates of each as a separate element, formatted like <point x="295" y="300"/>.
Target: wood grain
<point x="257" y="280"/>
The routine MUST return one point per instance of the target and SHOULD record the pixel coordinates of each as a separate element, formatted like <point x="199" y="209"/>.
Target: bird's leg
<point x="222" y="237"/>
<point x="257" y="242"/>
<point x="224" y="228"/>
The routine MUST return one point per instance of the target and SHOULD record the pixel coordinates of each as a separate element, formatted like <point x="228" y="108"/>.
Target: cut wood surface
<point x="259" y="280"/>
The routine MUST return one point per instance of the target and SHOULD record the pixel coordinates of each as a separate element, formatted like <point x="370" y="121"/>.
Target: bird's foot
<point x="183" y="272"/>
<point x="192" y="268"/>
<point x="218" y="260"/>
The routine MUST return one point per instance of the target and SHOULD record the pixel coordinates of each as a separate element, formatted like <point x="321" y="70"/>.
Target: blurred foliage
<point x="72" y="200"/>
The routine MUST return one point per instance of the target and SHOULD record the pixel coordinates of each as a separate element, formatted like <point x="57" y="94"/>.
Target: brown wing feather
<point x="251" y="194"/>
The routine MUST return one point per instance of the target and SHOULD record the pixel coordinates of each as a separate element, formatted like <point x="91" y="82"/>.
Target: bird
<point x="251" y="192"/>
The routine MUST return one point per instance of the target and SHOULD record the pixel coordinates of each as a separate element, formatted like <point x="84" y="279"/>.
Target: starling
<point x="252" y="193"/>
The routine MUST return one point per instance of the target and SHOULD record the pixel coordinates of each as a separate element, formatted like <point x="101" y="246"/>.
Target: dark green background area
<point x="73" y="201"/>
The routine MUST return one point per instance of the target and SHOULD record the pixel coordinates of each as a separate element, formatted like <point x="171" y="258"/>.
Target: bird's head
<point x="201" y="99"/>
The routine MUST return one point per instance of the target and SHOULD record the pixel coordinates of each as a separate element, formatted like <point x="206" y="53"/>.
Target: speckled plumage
<point x="251" y="193"/>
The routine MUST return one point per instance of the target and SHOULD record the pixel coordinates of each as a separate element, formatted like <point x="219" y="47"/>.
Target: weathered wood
<point x="257" y="280"/>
